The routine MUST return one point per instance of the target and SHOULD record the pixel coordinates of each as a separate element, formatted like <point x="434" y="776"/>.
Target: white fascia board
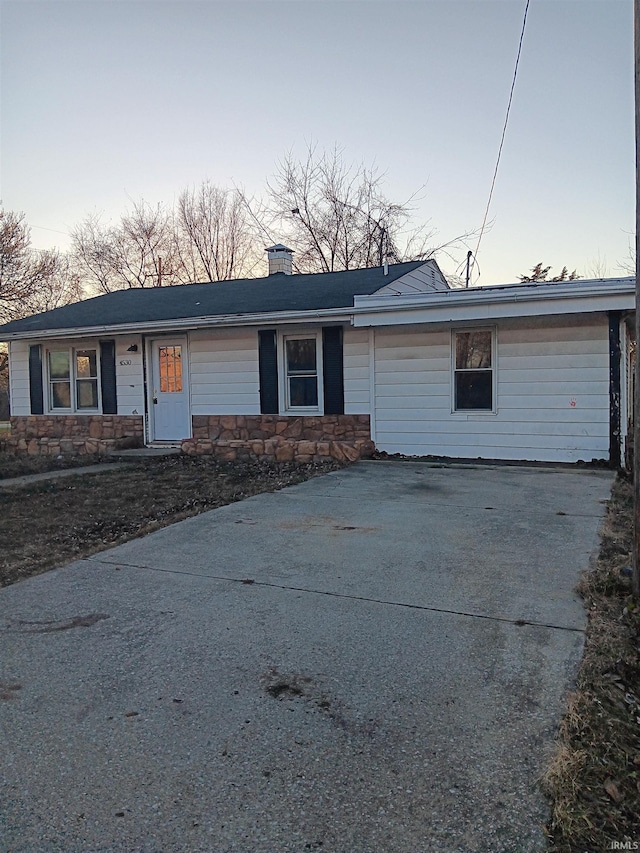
<point x="492" y="304"/>
<point x="336" y="315"/>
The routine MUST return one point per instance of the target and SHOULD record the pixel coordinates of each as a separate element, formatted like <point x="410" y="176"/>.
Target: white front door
<point x="170" y="389"/>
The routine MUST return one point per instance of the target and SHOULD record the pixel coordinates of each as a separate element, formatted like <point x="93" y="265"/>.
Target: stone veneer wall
<point x="299" y="438"/>
<point x="74" y="435"/>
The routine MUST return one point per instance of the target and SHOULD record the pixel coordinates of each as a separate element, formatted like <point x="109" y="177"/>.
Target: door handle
<point x="155" y="400"/>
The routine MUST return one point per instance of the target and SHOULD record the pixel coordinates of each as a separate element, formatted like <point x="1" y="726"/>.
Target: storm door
<point x="170" y="390"/>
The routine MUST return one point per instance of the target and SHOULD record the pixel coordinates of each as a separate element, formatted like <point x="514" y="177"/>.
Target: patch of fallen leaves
<point x="52" y="522"/>
<point x="19" y="465"/>
<point x="594" y="778"/>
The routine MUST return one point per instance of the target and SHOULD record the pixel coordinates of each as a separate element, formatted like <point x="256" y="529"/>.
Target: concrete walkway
<point x="129" y="458"/>
<point x="59" y="473"/>
<point x="373" y="661"/>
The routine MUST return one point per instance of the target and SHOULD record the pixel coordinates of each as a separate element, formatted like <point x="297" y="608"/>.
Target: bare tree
<point x="146" y="247"/>
<point x="31" y="281"/>
<point x="598" y="267"/>
<point x="336" y="216"/>
<point x="60" y="287"/>
<point x="140" y="251"/>
<point x="95" y="255"/>
<point x="628" y="264"/>
<point x="540" y="273"/>
<point x="20" y="270"/>
<point x="215" y="237"/>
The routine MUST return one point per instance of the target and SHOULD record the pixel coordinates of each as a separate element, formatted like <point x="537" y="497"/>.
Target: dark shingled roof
<point x="279" y="292"/>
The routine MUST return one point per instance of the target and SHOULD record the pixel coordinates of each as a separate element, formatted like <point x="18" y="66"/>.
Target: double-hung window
<point x="473" y="373"/>
<point x="73" y="379"/>
<point x="301" y="372"/>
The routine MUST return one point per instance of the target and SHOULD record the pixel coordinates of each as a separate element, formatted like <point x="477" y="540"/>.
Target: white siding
<point x="552" y="393"/>
<point x="225" y="377"/>
<point x="19" y="378"/>
<point x="356" y="372"/>
<point x="224" y="373"/>
<point x="421" y="280"/>
<point x="129" y="376"/>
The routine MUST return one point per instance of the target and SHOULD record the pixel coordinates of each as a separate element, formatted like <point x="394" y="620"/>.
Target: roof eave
<point x="454" y="305"/>
<point x="507" y="301"/>
<point x="504" y="293"/>
<point x="184" y="324"/>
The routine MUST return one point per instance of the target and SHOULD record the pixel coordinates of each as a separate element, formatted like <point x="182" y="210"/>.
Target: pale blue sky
<point x="106" y="102"/>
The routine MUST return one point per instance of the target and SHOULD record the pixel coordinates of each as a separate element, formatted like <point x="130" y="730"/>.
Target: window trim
<point x="466" y="413"/>
<point x="74" y="409"/>
<point x="285" y="408"/>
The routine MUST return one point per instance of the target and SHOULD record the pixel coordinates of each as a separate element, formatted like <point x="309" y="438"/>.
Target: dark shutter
<point x="108" y="377"/>
<point x="35" y="380"/>
<point x="268" y="364"/>
<point x="332" y="369"/>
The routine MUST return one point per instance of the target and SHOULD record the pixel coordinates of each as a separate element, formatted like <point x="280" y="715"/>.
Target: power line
<point x="504" y="130"/>
<point x="54" y="230"/>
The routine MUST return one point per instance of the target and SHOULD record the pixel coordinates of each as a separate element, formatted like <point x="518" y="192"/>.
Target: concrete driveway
<point x="373" y="661"/>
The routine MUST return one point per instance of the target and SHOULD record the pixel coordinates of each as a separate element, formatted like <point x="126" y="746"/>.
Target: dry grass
<point x="17" y="465"/>
<point x="593" y="781"/>
<point x="49" y="523"/>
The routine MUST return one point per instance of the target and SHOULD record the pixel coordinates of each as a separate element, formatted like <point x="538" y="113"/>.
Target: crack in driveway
<point x="431" y="609"/>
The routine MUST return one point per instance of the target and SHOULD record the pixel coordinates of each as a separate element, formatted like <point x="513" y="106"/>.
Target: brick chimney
<point x="280" y="259"/>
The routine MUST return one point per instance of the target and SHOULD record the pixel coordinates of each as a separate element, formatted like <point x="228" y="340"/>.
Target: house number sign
<point x="125" y="361"/>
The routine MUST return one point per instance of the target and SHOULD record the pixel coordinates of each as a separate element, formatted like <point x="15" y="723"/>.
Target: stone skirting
<point x="298" y="438"/>
<point x="74" y="435"/>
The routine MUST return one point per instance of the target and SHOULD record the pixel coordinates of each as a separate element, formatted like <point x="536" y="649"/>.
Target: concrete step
<point x="146" y="452"/>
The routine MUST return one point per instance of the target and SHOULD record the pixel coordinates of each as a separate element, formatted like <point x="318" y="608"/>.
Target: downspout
<point x="614" y="390"/>
<point x="372" y="383"/>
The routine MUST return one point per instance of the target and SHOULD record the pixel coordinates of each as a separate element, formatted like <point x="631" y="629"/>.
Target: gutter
<point x="491" y="296"/>
<point x="185" y="324"/>
<point x="499" y="303"/>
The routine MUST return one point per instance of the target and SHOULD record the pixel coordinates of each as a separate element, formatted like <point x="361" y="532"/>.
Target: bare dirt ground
<point x="594" y="780"/>
<point x="49" y="523"/>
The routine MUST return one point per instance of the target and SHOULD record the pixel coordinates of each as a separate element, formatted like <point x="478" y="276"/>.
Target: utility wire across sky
<point x="504" y="130"/>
